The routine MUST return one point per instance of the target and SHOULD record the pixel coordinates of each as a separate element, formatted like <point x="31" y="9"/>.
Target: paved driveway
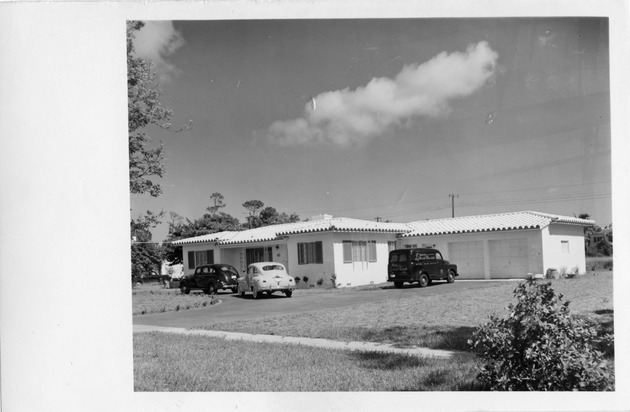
<point x="235" y="308"/>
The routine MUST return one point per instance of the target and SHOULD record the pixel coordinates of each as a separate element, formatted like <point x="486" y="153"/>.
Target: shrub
<point x="305" y="279"/>
<point x="297" y="280"/>
<point x="320" y="281"/>
<point x="333" y="280"/>
<point x="541" y="347"/>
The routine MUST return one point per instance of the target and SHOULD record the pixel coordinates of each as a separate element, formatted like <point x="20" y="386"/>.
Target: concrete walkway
<point x="314" y="342"/>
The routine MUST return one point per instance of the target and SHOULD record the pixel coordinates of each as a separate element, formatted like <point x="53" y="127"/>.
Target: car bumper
<point x="396" y="277"/>
<point x="275" y="288"/>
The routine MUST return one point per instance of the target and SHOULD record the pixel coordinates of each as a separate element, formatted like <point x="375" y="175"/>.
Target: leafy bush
<point x="320" y="281"/>
<point x="541" y="347"/>
<point x="297" y="280"/>
<point x="333" y="280"/>
<point x="305" y="279"/>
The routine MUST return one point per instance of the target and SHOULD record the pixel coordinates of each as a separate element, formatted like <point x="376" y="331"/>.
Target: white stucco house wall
<point x="508" y="245"/>
<point x="355" y="250"/>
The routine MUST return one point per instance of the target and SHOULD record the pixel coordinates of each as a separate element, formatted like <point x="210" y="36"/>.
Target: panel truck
<point x="419" y="265"/>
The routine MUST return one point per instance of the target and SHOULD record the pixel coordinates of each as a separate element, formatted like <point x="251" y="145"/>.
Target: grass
<point x="202" y="364"/>
<point x="438" y="322"/>
<point x="155" y="299"/>
<point x="441" y="322"/>
<point x="599" y="263"/>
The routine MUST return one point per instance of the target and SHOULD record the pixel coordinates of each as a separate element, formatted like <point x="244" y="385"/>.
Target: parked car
<point x="149" y="278"/>
<point x="210" y="279"/>
<point x="266" y="277"/>
<point x="422" y="265"/>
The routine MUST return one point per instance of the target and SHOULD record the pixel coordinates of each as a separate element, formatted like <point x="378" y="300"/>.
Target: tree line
<point x="215" y="220"/>
<point x="597" y="246"/>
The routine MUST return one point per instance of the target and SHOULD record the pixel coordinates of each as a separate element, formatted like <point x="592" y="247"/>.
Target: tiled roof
<point x="465" y="224"/>
<point x="490" y="223"/>
<point x="340" y="224"/>
<point x="212" y="237"/>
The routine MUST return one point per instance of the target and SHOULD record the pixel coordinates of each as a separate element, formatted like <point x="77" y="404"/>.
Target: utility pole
<point x="378" y="218"/>
<point x="453" y="196"/>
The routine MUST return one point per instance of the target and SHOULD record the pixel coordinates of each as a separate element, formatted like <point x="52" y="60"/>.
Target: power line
<point x="500" y="203"/>
<point x="377" y="209"/>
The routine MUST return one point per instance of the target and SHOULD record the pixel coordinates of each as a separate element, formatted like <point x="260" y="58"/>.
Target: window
<point x="371" y="250"/>
<point x="413" y="246"/>
<point x="200" y="257"/>
<point x="347" y="251"/>
<point x="564" y="246"/>
<point x="311" y="252"/>
<point x="391" y="245"/>
<point x="259" y="254"/>
<point x="273" y="267"/>
<point x="359" y="251"/>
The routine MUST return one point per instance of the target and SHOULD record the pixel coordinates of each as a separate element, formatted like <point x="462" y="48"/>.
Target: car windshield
<point x="272" y="267"/>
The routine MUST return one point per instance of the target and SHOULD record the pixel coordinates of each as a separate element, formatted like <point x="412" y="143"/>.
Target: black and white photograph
<point x="272" y="206"/>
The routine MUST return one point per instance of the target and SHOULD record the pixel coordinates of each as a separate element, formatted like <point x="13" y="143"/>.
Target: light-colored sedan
<point x="266" y="277"/>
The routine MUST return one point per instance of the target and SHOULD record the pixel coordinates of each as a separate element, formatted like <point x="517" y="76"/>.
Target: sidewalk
<point x="314" y="342"/>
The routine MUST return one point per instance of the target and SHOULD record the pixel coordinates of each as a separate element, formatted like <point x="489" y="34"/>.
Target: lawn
<point x="202" y="364"/>
<point x="155" y="299"/>
<point x="441" y="322"/>
<point x="429" y="321"/>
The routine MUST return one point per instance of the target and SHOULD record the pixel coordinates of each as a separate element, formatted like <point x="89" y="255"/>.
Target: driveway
<point x="235" y="308"/>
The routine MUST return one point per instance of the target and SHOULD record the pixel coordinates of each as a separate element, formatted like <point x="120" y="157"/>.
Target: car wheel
<point x="450" y="278"/>
<point x="255" y="294"/>
<point x="211" y="290"/>
<point x="185" y="290"/>
<point x="288" y="293"/>
<point x="399" y="284"/>
<point x="424" y="280"/>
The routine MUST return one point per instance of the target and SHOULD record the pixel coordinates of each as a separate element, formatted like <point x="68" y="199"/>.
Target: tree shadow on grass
<point x="452" y="338"/>
<point x="604" y="312"/>
<point x="437" y="337"/>
<point x="387" y="361"/>
<point x="431" y="377"/>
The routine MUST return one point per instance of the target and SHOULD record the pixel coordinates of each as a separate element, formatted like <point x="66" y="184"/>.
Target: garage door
<point x="468" y="256"/>
<point x="509" y="258"/>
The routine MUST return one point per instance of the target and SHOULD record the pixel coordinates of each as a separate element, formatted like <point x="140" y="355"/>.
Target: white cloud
<point x="352" y="117"/>
<point x="156" y="41"/>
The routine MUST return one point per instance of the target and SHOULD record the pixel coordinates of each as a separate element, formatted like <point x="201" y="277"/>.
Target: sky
<point x="370" y="118"/>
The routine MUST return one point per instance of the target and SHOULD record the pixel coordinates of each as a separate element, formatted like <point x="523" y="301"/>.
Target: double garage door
<point x="468" y="256"/>
<point x="508" y="258"/>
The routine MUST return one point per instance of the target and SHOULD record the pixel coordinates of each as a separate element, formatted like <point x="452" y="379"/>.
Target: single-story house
<point x="356" y="251"/>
